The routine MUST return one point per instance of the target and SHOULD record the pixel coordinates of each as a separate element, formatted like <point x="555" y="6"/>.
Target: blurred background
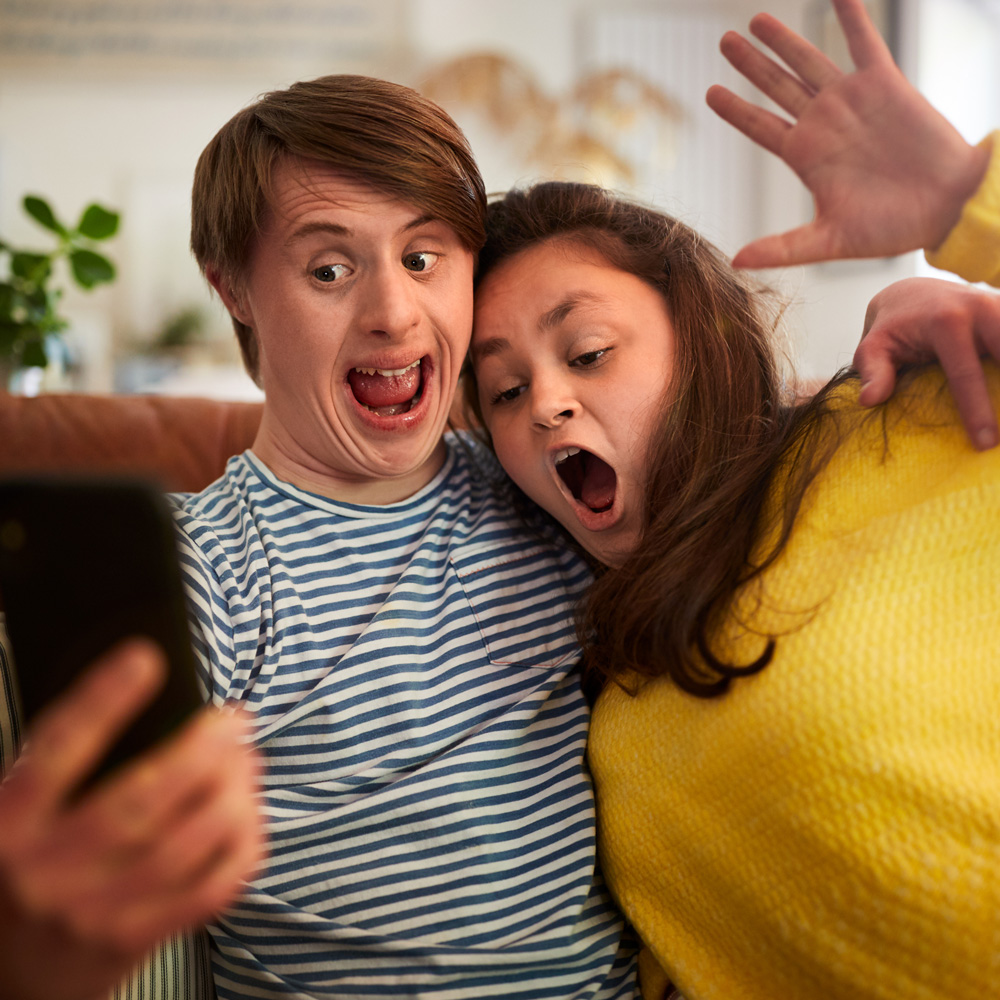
<point x="112" y="101"/>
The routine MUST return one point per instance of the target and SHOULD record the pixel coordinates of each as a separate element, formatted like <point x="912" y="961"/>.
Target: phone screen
<point x="85" y="563"/>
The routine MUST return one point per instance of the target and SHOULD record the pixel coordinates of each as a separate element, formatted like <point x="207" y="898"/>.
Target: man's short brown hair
<point x="379" y="132"/>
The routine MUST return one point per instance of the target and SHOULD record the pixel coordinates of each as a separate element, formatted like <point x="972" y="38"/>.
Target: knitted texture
<point x="831" y="826"/>
<point x="972" y="249"/>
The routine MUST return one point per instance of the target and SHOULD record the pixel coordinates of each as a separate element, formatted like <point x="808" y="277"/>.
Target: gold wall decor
<point x="577" y="136"/>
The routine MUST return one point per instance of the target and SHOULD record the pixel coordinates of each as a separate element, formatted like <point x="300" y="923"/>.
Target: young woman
<point x="793" y="628"/>
<point x="797" y="760"/>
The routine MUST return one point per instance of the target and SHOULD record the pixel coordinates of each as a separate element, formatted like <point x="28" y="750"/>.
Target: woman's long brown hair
<point x="727" y="425"/>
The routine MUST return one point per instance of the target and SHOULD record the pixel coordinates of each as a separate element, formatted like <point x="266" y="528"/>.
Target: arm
<point x="89" y="884"/>
<point x="887" y="173"/>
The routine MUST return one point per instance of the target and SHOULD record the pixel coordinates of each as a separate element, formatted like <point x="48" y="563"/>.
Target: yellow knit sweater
<point x="830" y="828"/>
<point x="972" y="248"/>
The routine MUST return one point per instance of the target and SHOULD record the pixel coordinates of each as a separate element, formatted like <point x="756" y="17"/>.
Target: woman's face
<point x="573" y="358"/>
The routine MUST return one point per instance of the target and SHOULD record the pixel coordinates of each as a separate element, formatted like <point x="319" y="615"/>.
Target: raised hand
<point x="89" y="884"/>
<point x="886" y="171"/>
<point x="928" y="319"/>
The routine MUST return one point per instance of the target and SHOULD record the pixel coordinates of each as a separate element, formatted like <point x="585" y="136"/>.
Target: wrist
<point x="962" y="186"/>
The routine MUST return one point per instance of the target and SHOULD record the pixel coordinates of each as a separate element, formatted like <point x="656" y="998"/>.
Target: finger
<point x="765" y="74"/>
<point x="112" y="848"/>
<point x="967" y="381"/>
<point x="71" y="736"/>
<point x="151" y="919"/>
<point x="804" y="245"/>
<point x="199" y="838"/>
<point x="189" y="854"/>
<point x="760" y="126"/>
<point x="878" y="375"/>
<point x="815" y="68"/>
<point x="133" y="809"/>
<point x="866" y="45"/>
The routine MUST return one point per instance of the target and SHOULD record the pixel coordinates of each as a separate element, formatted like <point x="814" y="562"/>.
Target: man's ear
<point x="231" y="298"/>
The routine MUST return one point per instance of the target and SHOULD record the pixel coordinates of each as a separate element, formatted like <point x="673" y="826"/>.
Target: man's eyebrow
<point x="308" y="229"/>
<point x="422" y="220"/>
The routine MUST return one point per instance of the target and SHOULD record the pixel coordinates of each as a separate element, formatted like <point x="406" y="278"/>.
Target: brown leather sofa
<point x="180" y="443"/>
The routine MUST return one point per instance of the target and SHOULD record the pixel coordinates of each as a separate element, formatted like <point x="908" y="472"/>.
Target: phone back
<point x="85" y="563"/>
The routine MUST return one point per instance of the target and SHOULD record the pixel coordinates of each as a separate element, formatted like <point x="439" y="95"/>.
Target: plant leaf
<point x="8" y="296"/>
<point x="97" y="223"/>
<point x="9" y="333"/>
<point x="33" y="355"/>
<point x="33" y="267"/>
<point x="90" y="268"/>
<point x="40" y="210"/>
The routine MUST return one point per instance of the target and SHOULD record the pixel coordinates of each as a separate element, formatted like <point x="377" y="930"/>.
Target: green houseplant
<point x="29" y="301"/>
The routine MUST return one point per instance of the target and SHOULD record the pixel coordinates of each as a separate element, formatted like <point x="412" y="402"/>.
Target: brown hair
<point x="382" y="133"/>
<point x="718" y="443"/>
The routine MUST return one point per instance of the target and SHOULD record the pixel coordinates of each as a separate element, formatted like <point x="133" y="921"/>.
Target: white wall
<point x="126" y="129"/>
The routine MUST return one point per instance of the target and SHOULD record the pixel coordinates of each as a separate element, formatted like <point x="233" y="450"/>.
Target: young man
<point x="404" y="642"/>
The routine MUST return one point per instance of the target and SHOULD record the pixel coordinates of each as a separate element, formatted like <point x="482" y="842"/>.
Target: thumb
<point x="878" y="375"/>
<point x="797" y="246"/>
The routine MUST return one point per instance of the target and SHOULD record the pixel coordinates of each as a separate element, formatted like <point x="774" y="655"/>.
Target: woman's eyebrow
<point x="558" y="313"/>
<point x="489" y="348"/>
<point x="549" y="319"/>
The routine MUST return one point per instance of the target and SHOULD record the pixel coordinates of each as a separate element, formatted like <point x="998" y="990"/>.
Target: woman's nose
<point x="552" y="403"/>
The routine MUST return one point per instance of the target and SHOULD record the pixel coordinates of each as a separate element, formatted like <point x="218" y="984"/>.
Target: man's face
<point x="362" y="309"/>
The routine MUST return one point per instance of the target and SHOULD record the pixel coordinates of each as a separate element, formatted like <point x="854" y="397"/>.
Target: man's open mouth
<point x="590" y="479"/>
<point x="388" y="392"/>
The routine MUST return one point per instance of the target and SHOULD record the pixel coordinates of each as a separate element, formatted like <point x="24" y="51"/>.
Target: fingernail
<point x="986" y="438"/>
<point x="135" y="660"/>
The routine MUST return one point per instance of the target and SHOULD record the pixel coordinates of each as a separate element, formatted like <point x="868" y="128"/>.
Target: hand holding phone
<point x="90" y="882"/>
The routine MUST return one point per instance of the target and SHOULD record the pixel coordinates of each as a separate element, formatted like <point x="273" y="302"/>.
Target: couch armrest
<point x="180" y="443"/>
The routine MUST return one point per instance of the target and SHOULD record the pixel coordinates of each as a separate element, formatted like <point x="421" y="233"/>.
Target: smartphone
<point x="85" y="563"/>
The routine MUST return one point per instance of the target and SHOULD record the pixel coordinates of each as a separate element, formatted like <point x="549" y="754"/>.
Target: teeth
<point x="561" y="456"/>
<point x="388" y="372"/>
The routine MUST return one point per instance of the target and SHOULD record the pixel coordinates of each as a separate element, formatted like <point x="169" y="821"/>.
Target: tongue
<point x="380" y="390"/>
<point x="598" y="487"/>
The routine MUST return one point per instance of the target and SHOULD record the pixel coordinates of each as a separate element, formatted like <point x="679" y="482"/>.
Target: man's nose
<point x="390" y="302"/>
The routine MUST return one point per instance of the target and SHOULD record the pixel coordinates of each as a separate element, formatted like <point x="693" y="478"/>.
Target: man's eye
<point x="589" y="358"/>
<point x="330" y="272"/>
<point x="419" y="260"/>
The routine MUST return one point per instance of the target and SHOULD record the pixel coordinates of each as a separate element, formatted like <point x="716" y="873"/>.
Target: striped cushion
<point x="178" y="969"/>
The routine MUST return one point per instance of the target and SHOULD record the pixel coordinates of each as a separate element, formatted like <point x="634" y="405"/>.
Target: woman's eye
<point x="507" y="395"/>
<point x="419" y="260"/>
<point x="330" y="272"/>
<point x="589" y="358"/>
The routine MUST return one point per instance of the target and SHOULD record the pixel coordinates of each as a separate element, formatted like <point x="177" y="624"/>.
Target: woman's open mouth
<point x="590" y="480"/>
<point x="388" y="392"/>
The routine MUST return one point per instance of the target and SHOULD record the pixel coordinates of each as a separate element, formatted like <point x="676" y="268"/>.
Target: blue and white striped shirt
<point x="413" y="673"/>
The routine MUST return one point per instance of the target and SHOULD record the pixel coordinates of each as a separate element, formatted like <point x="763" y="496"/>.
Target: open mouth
<point x="388" y="392"/>
<point x="590" y="479"/>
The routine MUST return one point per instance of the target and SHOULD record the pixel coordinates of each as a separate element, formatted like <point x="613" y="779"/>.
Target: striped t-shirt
<point x="413" y="673"/>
